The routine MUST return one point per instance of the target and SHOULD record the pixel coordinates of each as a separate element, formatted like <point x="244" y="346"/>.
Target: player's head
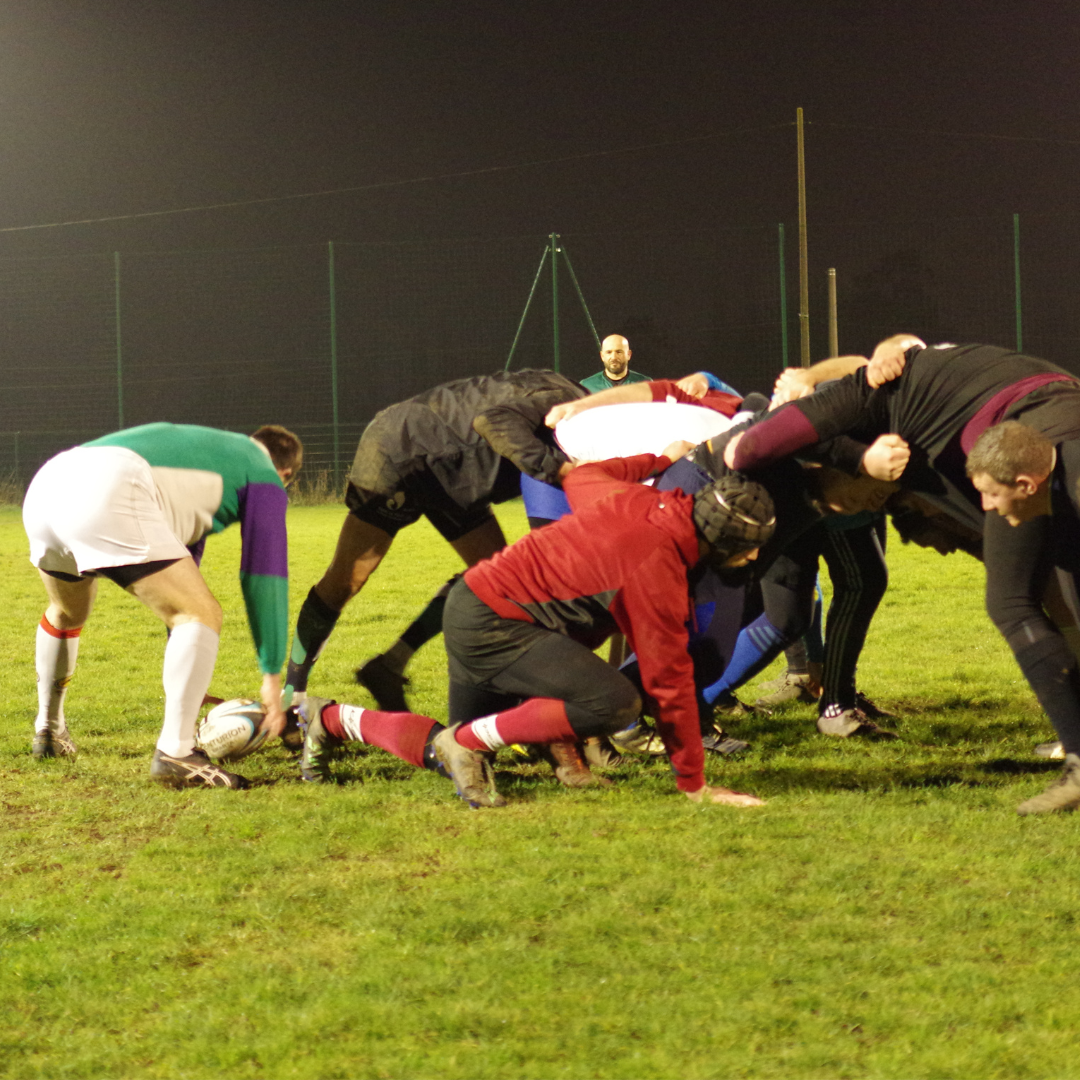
<point x="734" y="517"/>
<point x="1009" y="464"/>
<point x="285" y="449"/>
<point x="615" y="355"/>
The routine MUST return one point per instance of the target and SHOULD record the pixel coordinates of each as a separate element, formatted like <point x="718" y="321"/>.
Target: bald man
<point x="615" y="356"/>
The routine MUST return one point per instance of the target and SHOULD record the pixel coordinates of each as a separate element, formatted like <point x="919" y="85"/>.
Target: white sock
<point x="189" y="665"/>
<point x="54" y="657"/>
<point x="349" y="715"/>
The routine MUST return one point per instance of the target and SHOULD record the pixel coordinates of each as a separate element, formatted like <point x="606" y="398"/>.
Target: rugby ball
<point x="230" y="731"/>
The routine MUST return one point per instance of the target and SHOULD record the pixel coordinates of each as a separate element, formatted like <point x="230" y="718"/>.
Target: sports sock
<point x="314" y="625"/>
<point x="189" y="666"/>
<point x="538" y="720"/>
<point x="1052" y="671"/>
<point x="54" y="657"/>
<point x="757" y="646"/>
<point x="402" y="734"/>
<point x="424" y="627"/>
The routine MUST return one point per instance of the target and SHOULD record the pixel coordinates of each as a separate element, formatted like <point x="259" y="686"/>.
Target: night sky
<point x="647" y="134"/>
<point x="111" y="108"/>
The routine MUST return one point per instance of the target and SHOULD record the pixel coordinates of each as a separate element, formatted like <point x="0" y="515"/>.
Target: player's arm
<point x="264" y="582"/>
<point x="594" y="480"/>
<point x="616" y="395"/>
<point x="794" y="383"/>
<point x="888" y="359"/>
<point x="656" y="603"/>
<point x="511" y="432"/>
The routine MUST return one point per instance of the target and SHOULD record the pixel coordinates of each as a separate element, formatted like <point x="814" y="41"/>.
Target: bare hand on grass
<point x="723" y="796"/>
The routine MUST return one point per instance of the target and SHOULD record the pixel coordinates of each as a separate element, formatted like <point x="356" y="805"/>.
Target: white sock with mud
<point x="54" y="657"/>
<point x="189" y="666"/>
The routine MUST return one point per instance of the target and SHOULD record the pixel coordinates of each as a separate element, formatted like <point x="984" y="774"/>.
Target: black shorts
<point x="418" y="495"/>
<point x="496" y="663"/>
<point x="124" y="576"/>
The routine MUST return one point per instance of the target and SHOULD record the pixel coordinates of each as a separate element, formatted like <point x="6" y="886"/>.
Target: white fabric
<point x="640" y="427"/>
<point x="188" y="498"/>
<point x="350" y="715"/>
<point x="54" y="659"/>
<point x="190" y="656"/>
<point x="94" y="507"/>
<point x="486" y="731"/>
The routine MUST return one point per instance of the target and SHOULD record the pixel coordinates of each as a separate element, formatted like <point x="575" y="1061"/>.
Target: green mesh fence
<point x="320" y="338"/>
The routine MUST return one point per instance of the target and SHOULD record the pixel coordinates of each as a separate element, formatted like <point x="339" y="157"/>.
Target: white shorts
<point x="95" y="507"/>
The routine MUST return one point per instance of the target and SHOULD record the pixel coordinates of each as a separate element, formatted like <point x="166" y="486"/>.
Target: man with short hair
<point x="524" y="624"/>
<point x="136" y="507"/>
<point x="446" y="454"/>
<point x="615" y="356"/>
<point x="929" y="409"/>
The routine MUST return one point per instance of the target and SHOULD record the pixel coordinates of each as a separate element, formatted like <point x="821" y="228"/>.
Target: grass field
<point x="887" y="914"/>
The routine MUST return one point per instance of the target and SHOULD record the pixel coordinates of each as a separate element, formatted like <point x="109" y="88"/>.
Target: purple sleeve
<point x="262" y="523"/>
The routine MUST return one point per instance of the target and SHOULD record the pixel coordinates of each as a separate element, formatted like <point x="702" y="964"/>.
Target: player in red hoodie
<point x="523" y="624"/>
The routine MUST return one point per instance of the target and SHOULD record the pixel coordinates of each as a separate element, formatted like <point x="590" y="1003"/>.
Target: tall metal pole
<point x="119" y="348"/>
<point x="804" y="277"/>
<point x="834" y="344"/>
<point x="1016" y="277"/>
<point x="554" y="238"/>
<point x="581" y="295"/>
<point x="333" y="363"/>
<point x="783" y="299"/>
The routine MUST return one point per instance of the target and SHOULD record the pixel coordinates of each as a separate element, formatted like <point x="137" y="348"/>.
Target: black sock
<point x="428" y="623"/>
<point x="314" y="625"/>
<point x="1052" y="671"/>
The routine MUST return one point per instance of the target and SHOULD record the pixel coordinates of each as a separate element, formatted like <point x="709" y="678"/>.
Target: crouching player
<point x="135" y="507"/>
<point x="520" y="629"/>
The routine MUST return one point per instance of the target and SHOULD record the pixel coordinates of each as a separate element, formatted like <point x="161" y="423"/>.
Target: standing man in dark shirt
<point x="446" y="454"/>
<point x="615" y="356"/>
<point x="923" y="424"/>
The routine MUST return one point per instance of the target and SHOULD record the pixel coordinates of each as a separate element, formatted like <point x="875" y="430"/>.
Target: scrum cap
<point x="733" y="515"/>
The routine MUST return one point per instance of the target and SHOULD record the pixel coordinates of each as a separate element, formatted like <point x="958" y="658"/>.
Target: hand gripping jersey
<point x="207" y="480"/>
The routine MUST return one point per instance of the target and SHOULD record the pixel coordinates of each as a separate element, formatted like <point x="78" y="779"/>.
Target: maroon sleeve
<point x="777" y="436"/>
<point x="664" y="389"/>
<point x="655" y="605"/>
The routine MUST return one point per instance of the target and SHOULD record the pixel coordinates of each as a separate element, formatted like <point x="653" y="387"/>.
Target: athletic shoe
<point x="1062" y="794"/>
<point x="731" y="707"/>
<point x="384" y="684"/>
<point x="872" y="709"/>
<point x="196" y="770"/>
<point x="570" y="768"/>
<point x="1053" y="750"/>
<point x="469" y="770"/>
<point x="319" y="744"/>
<point x="802" y="688"/>
<point x="719" y="742"/>
<point x="293" y="735"/>
<point x="54" y="744"/>
<point x="638" y="738"/>
<point x="600" y="754"/>
<point x="845" y="723"/>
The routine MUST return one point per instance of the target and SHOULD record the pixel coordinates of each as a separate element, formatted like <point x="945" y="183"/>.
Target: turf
<point x="887" y="914"/>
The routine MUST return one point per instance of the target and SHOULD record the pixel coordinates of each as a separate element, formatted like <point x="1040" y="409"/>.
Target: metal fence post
<point x="1016" y="279"/>
<point x="333" y="363"/>
<point x="119" y="347"/>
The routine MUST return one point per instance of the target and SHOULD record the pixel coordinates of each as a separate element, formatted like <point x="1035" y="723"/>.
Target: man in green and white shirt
<point x="136" y="507"/>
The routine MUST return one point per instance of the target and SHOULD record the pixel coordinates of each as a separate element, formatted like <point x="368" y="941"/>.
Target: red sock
<point x="539" y="720"/>
<point x="331" y="720"/>
<point x="399" y="733"/>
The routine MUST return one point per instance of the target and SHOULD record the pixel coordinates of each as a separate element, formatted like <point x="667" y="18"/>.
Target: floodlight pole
<point x="804" y="279"/>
